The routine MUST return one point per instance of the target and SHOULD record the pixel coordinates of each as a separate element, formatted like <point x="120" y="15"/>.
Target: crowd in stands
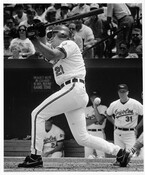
<point x="100" y="31"/>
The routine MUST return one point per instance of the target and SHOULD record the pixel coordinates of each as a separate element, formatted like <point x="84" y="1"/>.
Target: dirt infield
<point x="73" y="164"/>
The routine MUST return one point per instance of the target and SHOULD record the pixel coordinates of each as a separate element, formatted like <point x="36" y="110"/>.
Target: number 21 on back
<point x="59" y="70"/>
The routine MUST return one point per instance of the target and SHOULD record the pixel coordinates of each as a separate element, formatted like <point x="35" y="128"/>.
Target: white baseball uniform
<point x="138" y="148"/>
<point x="71" y="100"/>
<point x="126" y="119"/>
<point x="50" y="141"/>
<point x="95" y="129"/>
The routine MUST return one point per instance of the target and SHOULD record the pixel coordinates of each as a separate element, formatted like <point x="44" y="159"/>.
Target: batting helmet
<point x="62" y="31"/>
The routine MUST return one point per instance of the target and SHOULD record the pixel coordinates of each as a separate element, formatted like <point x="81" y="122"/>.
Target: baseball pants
<point x="89" y="151"/>
<point x="125" y="139"/>
<point x="71" y="100"/>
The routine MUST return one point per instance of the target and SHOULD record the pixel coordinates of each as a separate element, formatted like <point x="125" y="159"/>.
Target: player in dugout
<point x="53" y="140"/>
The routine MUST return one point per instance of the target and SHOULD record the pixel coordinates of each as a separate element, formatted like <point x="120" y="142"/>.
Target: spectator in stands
<point x="95" y="126"/>
<point x="121" y="14"/>
<point x="30" y="17"/>
<point x="136" y="11"/>
<point x="20" y="14"/>
<point x="50" y="15"/>
<point x="40" y="12"/>
<point x="8" y="10"/>
<point x="95" y="23"/>
<point x="136" y="42"/>
<point x="75" y="37"/>
<point x="64" y="11"/>
<point x="6" y="16"/>
<point x="15" y="50"/>
<point x="10" y="32"/>
<point x="123" y="51"/>
<point x="57" y="7"/>
<point x="27" y="48"/>
<point x="109" y="44"/>
<point x="79" y="9"/>
<point x="53" y="140"/>
<point x="103" y="16"/>
<point x="87" y="36"/>
<point x="7" y="41"/>
<point x="9" y="25"/>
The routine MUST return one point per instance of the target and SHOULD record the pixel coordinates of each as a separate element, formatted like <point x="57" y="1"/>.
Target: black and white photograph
<point x="72" y="87"/>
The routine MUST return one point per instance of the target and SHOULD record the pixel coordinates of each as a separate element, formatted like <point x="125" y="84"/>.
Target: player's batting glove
<point x="36" y="30"/>
<point x="41" y="29"/>
<point x="31" y="32"/>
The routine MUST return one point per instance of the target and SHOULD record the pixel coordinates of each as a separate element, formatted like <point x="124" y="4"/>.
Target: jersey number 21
<point x="59" y="70"/>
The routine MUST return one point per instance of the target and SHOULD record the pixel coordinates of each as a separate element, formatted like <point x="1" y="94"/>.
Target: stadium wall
<point x="28" y="82"/>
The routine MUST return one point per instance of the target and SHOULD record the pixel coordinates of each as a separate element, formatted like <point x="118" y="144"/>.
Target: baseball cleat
<point x="123" y="157"/>
<point x="29" y="162"/>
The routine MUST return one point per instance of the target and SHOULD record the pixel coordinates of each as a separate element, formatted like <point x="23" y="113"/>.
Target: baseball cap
<point x="122" y="88"/>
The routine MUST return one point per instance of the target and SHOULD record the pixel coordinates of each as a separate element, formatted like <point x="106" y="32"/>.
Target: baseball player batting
<point x="69" y="73"/>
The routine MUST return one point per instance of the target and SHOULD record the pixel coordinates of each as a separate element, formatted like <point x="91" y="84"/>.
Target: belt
<point x="95" y="129"/>
<point x="72" y="81"/>
<point x="125" y="129"/>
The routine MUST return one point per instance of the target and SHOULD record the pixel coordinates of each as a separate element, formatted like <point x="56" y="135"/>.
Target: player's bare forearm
<point x="46" y="154"/>
<point x="89" y="42"/>
<point x="140" y="124"/>
<point x="138" y="145"/>
<point x="42" y="39"/>
<point x="45" y="50"/>
<point x="110" y="118"/>
<point x="90" y="121"/>
<point x="59" y="147"/>
<point x="102" y="120"/>
<point x="97" y="114"/>
<point x="140" y="140"/>
<point x="50" y="54"/>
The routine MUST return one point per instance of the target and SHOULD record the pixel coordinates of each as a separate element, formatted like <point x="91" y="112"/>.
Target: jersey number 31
<point x="128" y="118"/>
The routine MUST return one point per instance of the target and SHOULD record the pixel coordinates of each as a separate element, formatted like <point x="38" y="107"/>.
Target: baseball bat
<point x="32" y="30"/>
<point x="101" y="41"/>
<point x="91" y="13"/>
